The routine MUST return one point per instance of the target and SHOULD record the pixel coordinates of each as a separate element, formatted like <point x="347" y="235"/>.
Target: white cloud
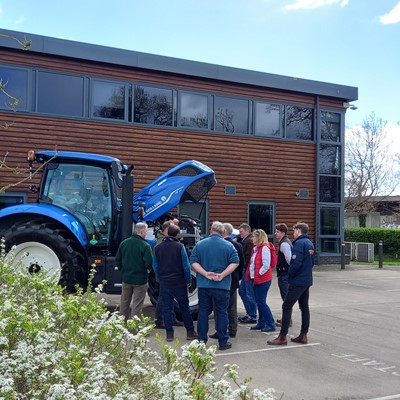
<point x="310" y="4"/>
<point x="392" y="17"/>
<point x="20" y="20"/>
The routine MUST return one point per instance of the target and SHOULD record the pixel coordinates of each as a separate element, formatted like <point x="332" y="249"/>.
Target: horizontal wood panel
<point x="261" y="169"/>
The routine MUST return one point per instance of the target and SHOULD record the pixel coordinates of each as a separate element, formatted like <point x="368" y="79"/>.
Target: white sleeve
<point x="266" y="260"/>
<point x="287" y="251"/>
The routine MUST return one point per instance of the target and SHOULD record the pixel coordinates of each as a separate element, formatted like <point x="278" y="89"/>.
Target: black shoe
<point x="170" y="336"/>
<point x="248" y="320"/>
<point x="257" y="328"/>
<point x="213" y="336"/>
<point x="159" y="326"/>
<point x="231" y="334"/>
<point x="243" y="318"/>
<point x="226" y="346"/>
<point x="268" y="330"/>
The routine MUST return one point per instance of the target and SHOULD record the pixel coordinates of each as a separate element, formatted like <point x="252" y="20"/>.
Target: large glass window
<point x="329" y="159"/>
<point x="60" y="94"/>
<point x="330" y="126"/>
<point x="14" y="88"/>
<point x="231" y="115"/>
<point x="194" y="110"/>
<point x="298" y="122"/>
<point x="330" y="220"/>
<point x="261" y="216"/>
<point x="153" y="105"/>
<point x="108" y="99"/>
<point x="330" y="189"/>
<point x="267" y="119"/>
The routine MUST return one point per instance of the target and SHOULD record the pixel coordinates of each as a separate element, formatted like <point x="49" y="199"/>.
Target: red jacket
<point x="258" y="279"/>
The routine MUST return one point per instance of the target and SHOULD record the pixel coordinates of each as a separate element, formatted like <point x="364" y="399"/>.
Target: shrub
<point x="69" y="347"/>
<point x="389" y="236"/>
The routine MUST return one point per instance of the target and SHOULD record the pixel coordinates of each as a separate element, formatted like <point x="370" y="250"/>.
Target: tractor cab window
<point x="84" y="191"/>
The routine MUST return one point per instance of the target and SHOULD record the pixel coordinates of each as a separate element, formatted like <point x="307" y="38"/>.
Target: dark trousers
<point x="206" y="299"/>
<point x="294" y="294"/>
<point x="283" y="285"/>
<point x="180" y="294"/>
<point x="232" y="312"/>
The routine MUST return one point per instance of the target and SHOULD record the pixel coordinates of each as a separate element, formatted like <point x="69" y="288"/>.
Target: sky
<point x="348" y="42"/>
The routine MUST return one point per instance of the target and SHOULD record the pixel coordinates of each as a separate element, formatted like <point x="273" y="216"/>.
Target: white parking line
<point x="394" y="396"/>
<point x="233" y="353"/>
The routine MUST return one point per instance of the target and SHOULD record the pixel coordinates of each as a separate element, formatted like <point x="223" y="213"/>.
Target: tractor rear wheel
<point x="42" y="245"/>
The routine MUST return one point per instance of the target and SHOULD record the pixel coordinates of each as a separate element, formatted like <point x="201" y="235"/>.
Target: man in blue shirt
<point x="214" y="259"/>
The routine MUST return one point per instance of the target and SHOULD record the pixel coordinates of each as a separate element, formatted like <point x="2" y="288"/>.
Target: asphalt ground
<point x="353" y="349"/>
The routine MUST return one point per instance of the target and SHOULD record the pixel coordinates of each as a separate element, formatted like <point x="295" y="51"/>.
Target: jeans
<point x="180" y="294"/>
<point x="220" y="298"/>
<point x="283" y="285"/>
<point x="265" y="317"/>
<point x="135" y="294"/>
<point x="246" y="293"/>
<point x="160" y="311"/>
<point x="300" y="294"/>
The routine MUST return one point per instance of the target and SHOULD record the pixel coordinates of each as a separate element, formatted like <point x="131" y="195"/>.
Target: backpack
<point x="274" y="256"/>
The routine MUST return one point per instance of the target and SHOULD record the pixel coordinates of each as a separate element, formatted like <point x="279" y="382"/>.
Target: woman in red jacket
<point x="259" y="271"/>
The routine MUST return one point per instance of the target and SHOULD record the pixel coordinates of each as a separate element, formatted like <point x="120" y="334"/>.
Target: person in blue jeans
<point x="300" y="280"/>
<point x="259" y="273"/>
<point x="214" y="259"/>
<point x="171" y="267"/>
<point x="246" y="291"/>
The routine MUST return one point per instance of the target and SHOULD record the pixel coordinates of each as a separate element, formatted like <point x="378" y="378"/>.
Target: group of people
<point x="223" y="265"/>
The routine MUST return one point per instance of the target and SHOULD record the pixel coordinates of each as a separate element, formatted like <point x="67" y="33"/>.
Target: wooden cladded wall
<point x="261" y="169"/>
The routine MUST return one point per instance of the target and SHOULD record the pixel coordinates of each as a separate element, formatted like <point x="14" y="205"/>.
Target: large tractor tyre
<point x="154" y="291"/>
<point x="43" y="246"/>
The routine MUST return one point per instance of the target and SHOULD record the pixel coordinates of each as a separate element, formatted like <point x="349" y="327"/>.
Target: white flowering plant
<point x="55" y="346"/>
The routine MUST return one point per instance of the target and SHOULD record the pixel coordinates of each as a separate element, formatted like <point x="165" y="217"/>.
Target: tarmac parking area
<point x="353" y="349"/>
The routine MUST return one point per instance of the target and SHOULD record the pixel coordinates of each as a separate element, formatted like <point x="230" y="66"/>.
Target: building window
<point x="330" y="189"/>
<point x="298" y="123"/>
<point x="14" y="84"/>
<point x="330" y="126"/>
<point x="60" y="94"/>
<point x="108" y="100"/>
<point x="194" y="110"/>
<point x="231" y="115"/>
<point x="330" y="221"/>
<point x="329" y="159"/>
<point x="267" y="119"/>
<point x="12" y="198"/>
<point x="153" y="105"/>
<point x="262" y="216"/>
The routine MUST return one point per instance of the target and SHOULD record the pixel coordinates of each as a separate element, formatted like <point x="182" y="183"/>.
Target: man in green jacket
<point x="134" y="259"/>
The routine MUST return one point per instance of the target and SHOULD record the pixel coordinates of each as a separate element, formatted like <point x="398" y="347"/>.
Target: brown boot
<point x="302" y="338"/>
<point x="170" y="336"/>
<point x="279" y="341"/>
<point x="191" y="335"/>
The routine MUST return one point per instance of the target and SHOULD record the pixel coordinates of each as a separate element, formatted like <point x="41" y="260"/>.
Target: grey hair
<point x="217" y="227"/>
<point x="140" y="226"/>
<point x="228" y="228"/>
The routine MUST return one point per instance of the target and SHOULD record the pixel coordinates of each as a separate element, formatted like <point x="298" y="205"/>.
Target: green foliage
<point x="69" y="347"/>
<point x="389" y="236"/>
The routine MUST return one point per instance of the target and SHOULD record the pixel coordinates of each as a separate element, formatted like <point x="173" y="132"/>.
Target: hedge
<point x="389" y="236"/>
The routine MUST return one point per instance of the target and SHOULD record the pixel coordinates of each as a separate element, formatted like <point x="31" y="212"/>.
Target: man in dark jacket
<point x="300" y="280"/>
<point x="246" y="291"/>
<point x="172" y="268"/>
<point x="134" y="260"/>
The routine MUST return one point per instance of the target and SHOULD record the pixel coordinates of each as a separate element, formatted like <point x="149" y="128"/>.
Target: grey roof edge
<point x="130" y="58"/>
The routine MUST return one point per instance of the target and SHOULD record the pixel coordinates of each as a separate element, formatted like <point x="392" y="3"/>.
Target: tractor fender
<point x="49" y="211"/>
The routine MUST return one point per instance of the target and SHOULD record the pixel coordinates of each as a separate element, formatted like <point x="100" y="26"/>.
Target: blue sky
<point x="350" y="42"/>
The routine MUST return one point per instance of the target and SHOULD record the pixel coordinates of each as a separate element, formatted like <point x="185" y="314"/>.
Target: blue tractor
<point x="85" y="207"/>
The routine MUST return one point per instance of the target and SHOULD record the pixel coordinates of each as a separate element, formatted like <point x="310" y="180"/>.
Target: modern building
<point x="276" y="143"/>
